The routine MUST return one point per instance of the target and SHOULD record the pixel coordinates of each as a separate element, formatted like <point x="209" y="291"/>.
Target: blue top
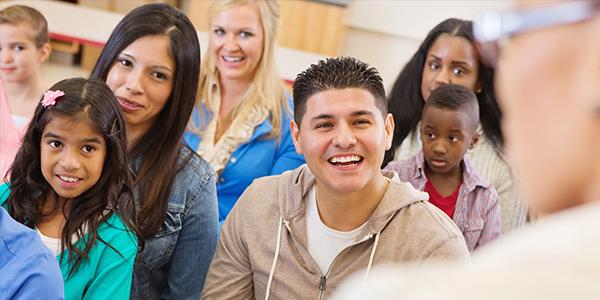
<point x="256" y="158"/>
<point x="175" y="261"/>
<point x="105" y="273"/>
<point x="29" y="270"/>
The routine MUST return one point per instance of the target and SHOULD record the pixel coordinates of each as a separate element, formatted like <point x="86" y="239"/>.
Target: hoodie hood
<point x="295" y="185"/>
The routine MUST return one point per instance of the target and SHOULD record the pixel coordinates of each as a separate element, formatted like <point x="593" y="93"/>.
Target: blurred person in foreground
<point x="549" y="69"/>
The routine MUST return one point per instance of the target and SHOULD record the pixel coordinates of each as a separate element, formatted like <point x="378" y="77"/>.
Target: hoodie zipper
<point x="322" y="287"/>
<point x="323" y="278"/>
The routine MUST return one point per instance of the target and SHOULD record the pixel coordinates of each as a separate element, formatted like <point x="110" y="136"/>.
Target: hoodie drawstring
<point x="272" y="272"/>
<point x="372" y="256"/>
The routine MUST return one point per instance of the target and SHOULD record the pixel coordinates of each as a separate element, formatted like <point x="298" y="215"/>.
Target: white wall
<point x="386" y="33"/>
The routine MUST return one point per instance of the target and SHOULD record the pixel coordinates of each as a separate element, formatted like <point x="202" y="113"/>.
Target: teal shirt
<point x="106" y="274"/>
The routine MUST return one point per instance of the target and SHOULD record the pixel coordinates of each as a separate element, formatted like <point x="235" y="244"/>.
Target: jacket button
<point x="233" y="160"/>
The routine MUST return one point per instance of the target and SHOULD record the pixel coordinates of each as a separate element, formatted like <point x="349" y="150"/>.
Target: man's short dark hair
<point x="337" y="73"/>
<point x="456" y="98"/>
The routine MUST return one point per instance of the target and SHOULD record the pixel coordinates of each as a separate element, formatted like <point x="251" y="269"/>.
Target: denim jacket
<point x="175" y="261"/>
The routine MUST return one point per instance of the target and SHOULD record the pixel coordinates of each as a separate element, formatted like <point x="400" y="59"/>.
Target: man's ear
<point x="474" y="140"/>
<point x="295" y="130"/>
<point x="389" y="131"/>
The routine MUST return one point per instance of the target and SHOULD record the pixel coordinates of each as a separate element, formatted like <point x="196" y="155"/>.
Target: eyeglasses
<point x="492" y="28"/>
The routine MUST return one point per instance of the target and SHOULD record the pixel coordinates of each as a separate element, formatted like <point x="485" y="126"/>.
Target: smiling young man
<point x="297" y="235"/>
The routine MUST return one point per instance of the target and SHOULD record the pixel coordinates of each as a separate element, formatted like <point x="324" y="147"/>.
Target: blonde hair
<point x="267" y="86"/>
<point x="19" y="14"/>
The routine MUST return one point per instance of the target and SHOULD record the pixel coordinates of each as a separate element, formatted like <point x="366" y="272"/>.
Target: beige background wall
<point x="387" y="33"/>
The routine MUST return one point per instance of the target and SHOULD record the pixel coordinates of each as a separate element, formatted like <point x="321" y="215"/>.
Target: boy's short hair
<point x="337" y="73"/>
<point x="18" y="14"/>
<point x="457" y="98"/>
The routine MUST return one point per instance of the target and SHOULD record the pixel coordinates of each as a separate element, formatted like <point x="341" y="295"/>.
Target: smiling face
<point x="446" y="136"/>
<point x="20" y="59"/>
<point x="450" y="59"/>
<point x="343" y="137"/>
<point x="142" y="79"/>
<point x="236" y="42"/>
<point x="72" y="156"/>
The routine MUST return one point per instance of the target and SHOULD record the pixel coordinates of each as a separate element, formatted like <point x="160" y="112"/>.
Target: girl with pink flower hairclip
<point x="71" y="183"/>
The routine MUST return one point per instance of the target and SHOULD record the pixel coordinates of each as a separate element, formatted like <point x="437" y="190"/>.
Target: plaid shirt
<point x="477" y="212"/>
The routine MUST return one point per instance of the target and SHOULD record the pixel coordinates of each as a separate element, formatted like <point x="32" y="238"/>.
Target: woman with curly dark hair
<point x="448" y="55"/>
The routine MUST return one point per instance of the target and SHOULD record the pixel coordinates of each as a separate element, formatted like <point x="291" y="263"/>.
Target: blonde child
<point x="24" y="46"/>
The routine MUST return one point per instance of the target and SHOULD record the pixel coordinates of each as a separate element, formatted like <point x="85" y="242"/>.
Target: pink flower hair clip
<point x="50" y="97"/>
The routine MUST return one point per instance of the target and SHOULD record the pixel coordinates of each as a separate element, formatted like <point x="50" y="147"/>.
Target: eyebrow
<point x="362" y="113"/>
<point x="354" y="114"/>
<point x="92" y="140"/>
<point x="459" y="62"/>
<point x="154" y="66"/>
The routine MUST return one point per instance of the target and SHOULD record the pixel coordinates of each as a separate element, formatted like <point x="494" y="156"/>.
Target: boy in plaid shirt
<point x="448" y="128"/>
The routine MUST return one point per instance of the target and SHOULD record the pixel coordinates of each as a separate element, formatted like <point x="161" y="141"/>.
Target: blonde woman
<point x="241" y="122"/>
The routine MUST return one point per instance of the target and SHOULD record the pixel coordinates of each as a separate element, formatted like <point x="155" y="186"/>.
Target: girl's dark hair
<point x="406" y="103"/>
<point x="155" y="154"/>
<point x="88" y="100"/>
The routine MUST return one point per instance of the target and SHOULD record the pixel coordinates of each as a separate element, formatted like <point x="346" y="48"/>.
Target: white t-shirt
<point x="324" y="243"/>
<point x="50" y="243"/>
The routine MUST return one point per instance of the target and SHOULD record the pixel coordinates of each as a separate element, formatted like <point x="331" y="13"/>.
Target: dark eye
<point x="88" y="149"/>
<point x="362" y="122"/>
<point x="125" y="62"/>
<point x="55" y="144"/>
<point x="454" y="139"/>
<point x="324" y="125"/>
<point x="434" y="65"/>
<point x="160" y="75"/>
<point x="19" y="48"/>
<point x="458" y="71"/>
<point x="430" y="135"/>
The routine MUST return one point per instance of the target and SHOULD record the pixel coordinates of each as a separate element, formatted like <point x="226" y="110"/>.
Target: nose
<point x="231" y="43"/>
<point x="439" y="148"/>
<point x="135" y="82"/>
<point x="69" y="161"/>
<point x="6" y="55"/>
<point x="345" y="137"/>
<point x="442" y="77"/>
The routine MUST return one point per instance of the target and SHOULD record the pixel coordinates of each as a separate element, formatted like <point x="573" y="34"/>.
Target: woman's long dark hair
<point x="158" y="149"/>
<point x="405" y="101"/>
<point x="94" y="101"/>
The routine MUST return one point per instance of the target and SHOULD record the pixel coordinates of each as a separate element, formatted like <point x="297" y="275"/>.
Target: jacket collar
<point x="298" y="183"/>
<point x="470" y="178"/>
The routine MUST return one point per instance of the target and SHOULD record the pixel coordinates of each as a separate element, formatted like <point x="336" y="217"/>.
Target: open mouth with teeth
<point x="68" y="179"/>
<point x="345" y="161"/>
<point x="233" y="59"/>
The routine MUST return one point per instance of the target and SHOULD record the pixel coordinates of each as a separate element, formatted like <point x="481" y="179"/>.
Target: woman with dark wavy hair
<point x="70" y="182"/>
<point x="448" y="55"/>
<point x="151" y="62"/>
